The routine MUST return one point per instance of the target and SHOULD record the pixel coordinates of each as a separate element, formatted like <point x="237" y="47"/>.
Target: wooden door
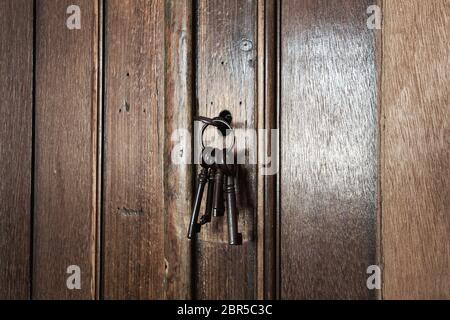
<point x="93" y="119"/>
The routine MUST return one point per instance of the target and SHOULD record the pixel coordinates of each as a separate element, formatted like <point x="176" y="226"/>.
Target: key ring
<point x="220" y="124"/>
<point x="220" y="179"/>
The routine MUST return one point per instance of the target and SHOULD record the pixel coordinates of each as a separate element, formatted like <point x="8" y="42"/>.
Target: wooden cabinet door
<point x="96" y="122"/>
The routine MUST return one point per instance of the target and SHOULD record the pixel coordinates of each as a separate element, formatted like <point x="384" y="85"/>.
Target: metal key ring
<point x="213" y="122"/>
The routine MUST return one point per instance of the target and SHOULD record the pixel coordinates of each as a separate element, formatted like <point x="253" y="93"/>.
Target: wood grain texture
<point x="16" y="84"/>
<point x="65" y="154"/>
<point x="100" y="124"/>
<point x="271" y="65"/>
<point x="178" y="175"/>
<point x="226" y="80"/>
<point x="266" y="241"/>
<point x="328" y="149"/>
<point x="379" y="63"/>
<point x="134" y="266"/>
<point x="260" y="191"/>
<point x="416" y="168"/>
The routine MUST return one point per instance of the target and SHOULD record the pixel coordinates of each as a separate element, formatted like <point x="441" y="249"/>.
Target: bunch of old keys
<point x="218" y="171"/>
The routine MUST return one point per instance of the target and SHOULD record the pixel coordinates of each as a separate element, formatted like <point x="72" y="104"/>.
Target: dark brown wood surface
<point x="260" y="218"/>
<point x="133" y="245"/>
<point x="16" y="84"/>
<point x="120" y="209"/>
<point x="271" y="65"/>
<point x="178" y="175"/>
<point x="415" y="162"/>
<point x="226" y="80"/>
<point x="328" y="149"/>
<point x="65" y="150"/>
<point x="267" y="119"/>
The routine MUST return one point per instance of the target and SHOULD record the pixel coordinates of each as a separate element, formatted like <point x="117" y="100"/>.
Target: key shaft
<point x="230" y="191"/>
<point x="218" y="205"/>
<point x="209" y="198"/>
<point x="194" y="226"/>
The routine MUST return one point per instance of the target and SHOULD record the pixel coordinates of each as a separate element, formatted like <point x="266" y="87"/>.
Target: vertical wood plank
<point x="266" y="241"/>
<point x="226" y="80"/>
<point x="271" y="65"/>
<point x="416" y="169"/>
<point x="261" y="108"/>
<point x="16" y="84"/>
<point x="66" y="150"/>
<point x="133" y="266"/>
<point x="100" y="125"/>
<point x="178" y="176"/>
<point x="379" y="64"/>
<point x="328" y="149"/>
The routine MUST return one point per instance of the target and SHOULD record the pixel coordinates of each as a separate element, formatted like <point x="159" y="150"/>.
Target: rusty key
<point x="234" y="238"/>
<point x="203" y="177"/>
<point x="206" y="218"/>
